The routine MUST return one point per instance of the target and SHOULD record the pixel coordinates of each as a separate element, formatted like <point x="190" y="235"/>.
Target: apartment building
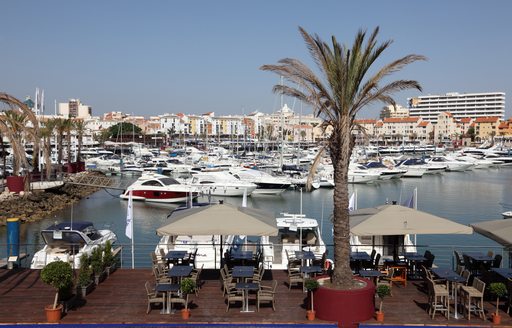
<point x="471" y="105"/>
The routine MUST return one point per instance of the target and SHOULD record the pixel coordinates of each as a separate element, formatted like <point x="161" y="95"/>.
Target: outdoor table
<point x="479" y="261"/>
<point x="179" y="271"/>
<point x="246" y="287"/>
<point x="413" y="259"/>
<point x="503" y="272"/>
<point x="358" y="258"/>
<point x="242" y="256"/>
<point x="452" y="277"/>
<point x="310" y="269"/>
<point x="242" y="271"/>
<point x="374" y="274"/>
<point x="167" y="289"/>
<point x="305" y="255"/>
<point x="175" y="256"/>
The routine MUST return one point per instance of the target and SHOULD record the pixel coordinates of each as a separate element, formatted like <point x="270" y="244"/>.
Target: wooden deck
<point x="122" y="299"/>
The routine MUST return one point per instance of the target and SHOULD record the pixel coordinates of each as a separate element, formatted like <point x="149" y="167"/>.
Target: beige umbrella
<point x="400" y="220"/>
<point x="220" y="219"/>
<point x="498" y="230"/>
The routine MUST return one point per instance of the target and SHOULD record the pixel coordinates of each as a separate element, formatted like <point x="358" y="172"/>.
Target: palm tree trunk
<point x="340" y="146"/>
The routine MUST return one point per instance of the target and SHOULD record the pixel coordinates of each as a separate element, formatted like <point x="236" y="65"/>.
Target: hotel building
<point x="471" y="105"/>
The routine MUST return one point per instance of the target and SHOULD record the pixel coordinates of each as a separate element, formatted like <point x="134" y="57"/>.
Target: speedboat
<point x="416" y="167"/>
<point x="385" y="172"/>
<point x="220" y="183"/>
<point x="451" y="164"/>
<point x="360" y="174"/>
<point x="507" y="215"/>
<point x="266" y="184"/>
<point x="68" y="241"/>
<point x="158" y="188"/>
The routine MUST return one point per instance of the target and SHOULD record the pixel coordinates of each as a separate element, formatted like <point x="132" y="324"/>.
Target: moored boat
<point x="151" y="187"/>
<point x="68" y="241"/>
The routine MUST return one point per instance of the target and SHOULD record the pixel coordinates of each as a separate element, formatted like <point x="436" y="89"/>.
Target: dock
<point x="121" y="299"/>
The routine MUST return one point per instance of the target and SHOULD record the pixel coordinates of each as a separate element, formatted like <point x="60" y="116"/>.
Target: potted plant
<point x="187" y="286"/>
<point x="84" y="279"/>
<point x="108" y="257"/>
<point x="97" y="264"/>
<point x="382" y="292"/>
<point x="311" y="285"/>
<point x="497" y="289"/>
<point x="59" y="275"/>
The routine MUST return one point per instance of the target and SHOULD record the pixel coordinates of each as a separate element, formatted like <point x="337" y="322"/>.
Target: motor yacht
<point x="68" y="241"/>
<point x="358" y="173"/>
<point x="452" y="165"/>
<point x="158" y="188"/>
<point x="385" y="173"/>
<point x="266" y="184"/>
<point x="220" y="183"/>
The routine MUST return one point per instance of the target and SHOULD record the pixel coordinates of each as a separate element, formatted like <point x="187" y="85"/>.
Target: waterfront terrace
<point x="121" y="299"/>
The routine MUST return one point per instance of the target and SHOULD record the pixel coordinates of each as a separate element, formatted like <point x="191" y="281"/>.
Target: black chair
<point x="429" y="259"/>
<point x="496" y="263"/>
<point x="459" y="262"/>
<point x="376" y="262"/>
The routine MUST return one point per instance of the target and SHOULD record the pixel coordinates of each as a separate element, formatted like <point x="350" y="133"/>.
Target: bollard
<point x="13" y="241"/>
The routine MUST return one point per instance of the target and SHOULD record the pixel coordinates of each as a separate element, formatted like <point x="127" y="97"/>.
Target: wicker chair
<point x="473" y="298"/>
<point x="266" y="294"/>
<point x="438" y="298"/>
<point x="294" y="278"/>
<point x="153" y="296"/>
<point x="233" y="295"/>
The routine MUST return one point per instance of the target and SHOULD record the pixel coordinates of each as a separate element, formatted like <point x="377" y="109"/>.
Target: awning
<point x="400" y="220"/>
<point x="220" y="219"/>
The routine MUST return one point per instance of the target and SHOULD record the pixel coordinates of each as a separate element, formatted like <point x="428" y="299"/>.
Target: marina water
<point x="464" y="197"/>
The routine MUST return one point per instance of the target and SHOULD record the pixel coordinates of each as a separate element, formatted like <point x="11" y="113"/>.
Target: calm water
<point x="464" y="197"/>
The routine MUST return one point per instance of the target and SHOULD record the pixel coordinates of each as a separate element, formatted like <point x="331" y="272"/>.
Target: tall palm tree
<point x="345" y="86"/>
<point x="12" y="123"/>
<point x="60" y="127"/>
<point x="79" y="126"/>
<point x="46" y="133"/>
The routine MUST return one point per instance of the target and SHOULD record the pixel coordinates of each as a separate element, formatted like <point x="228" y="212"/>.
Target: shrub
<point x="59" y="275"/>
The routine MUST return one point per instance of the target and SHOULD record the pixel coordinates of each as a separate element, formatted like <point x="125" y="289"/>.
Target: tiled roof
<point x="401" y="119"/>
<point x="488" y="119"/>
<point x="365" y="121"/>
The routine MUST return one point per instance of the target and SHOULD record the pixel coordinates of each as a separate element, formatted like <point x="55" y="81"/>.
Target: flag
<point x="411" y="201"/>
<point x="352" y="202"/>
<point x="129" y="217"/>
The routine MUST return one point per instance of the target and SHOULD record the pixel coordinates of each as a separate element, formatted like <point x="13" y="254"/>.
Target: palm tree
<point x="46" y="133"/>
<point x="68" y="127"/>
<point x="344" y="88"/>
<point x="79" y="126"/>
<point x="12" y="123"/>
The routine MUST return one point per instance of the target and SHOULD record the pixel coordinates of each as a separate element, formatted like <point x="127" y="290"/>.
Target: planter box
<point x="83" y="291"/>
<point x="347" y="307"/>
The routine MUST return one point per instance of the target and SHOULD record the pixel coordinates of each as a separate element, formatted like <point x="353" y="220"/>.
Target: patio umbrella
<point x="498" y="230"/>
<point x="400" y="220"/>
<point x="220" y="219"/>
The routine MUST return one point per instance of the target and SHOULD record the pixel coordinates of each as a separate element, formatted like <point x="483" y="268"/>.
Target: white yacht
<point x="157" y="188"/>
<point x="358" y="173"/>
<point x="266" y="184"/>
<point x="67" y="241"/>
<point x="416" y="167"/>
<point x="452" y="165"/>
<point x="220" y="183"/>
<point x="385" y="172"/>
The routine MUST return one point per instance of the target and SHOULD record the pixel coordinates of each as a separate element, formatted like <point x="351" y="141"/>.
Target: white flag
<point x="352" y="202"/>
<point x="129" y="217"/>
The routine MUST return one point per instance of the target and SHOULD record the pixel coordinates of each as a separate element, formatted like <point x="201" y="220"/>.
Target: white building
<point x="393" y="111"/>
<point x="459" y="105"/>
<point x="75" y="109"/>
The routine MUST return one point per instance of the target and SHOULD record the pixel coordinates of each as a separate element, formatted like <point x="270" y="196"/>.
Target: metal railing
<point x="444" y="254"/>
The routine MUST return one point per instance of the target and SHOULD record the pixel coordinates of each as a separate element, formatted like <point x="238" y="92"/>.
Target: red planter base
<point x="347" y="307"/>
<point x="15" y="183"/>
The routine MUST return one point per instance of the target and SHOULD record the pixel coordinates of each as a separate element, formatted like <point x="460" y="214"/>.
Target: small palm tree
<point x="347" y="84"/>
<point x="79" y="126"/>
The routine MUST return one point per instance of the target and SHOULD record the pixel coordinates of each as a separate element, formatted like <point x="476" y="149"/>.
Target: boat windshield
<point x="62" y="238"/>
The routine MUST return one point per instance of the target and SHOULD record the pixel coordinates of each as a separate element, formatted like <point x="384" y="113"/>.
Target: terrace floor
<point x="121" y="298"/>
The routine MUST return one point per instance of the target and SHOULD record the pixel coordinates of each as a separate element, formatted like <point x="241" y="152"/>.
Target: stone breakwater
<point x="34" y="206"/>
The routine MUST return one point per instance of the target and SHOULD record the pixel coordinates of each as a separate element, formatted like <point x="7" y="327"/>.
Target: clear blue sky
<point x="155" y="57"/>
